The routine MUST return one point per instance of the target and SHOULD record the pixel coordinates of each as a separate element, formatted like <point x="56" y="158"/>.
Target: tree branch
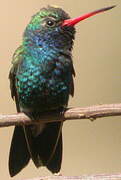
<point x="91" y="112"/>
<point x="83" y="177"/>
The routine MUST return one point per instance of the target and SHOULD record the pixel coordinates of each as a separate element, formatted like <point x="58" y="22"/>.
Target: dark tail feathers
<point x="43" y="150"/>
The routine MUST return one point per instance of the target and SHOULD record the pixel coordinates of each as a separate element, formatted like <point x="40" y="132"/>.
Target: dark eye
<point x="50" y="23"/>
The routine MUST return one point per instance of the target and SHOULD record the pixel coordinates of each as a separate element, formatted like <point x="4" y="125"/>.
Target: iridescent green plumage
<point x="41" y="80"/>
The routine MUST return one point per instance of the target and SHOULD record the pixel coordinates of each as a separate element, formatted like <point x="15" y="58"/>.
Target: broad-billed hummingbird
<point x="41" y="80"/>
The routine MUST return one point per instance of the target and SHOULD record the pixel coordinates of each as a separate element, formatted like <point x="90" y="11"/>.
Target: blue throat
<point x="48" y="42"/>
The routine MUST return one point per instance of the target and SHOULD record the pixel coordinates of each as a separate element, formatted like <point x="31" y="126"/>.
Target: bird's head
<point x="52" y="27"/>
<point x="46" y="29"/>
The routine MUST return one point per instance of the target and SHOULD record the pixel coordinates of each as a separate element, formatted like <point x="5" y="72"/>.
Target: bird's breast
<point x="44" y="85"/>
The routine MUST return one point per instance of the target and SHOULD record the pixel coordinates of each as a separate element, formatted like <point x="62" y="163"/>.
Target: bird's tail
<point x="44" y="149"/>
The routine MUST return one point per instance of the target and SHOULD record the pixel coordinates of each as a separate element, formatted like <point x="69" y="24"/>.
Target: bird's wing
<point x="17" y="58"/>
<point x="72" y="80"/>
<point x="19" y="155"/>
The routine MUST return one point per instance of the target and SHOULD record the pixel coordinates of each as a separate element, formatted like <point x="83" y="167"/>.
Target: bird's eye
<point x="50" y="23"/>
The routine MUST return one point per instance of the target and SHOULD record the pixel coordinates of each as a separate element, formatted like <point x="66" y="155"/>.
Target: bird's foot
<point x="58" y="174"/>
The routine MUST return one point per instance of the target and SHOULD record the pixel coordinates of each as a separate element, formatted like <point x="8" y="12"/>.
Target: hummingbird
<point x="41" y="81"/>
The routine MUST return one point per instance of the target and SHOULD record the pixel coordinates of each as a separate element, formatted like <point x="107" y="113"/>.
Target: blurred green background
<point x="89" y="148"/>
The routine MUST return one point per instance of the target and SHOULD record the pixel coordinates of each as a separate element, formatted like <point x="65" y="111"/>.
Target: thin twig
<point x="83" y="177"/>
<point x="91" y="112"/>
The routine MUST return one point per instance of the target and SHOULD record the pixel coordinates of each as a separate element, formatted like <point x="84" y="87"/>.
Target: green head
<point x="52" y="27"/>
<point x="47" y="18"/>
<point x="45" y="29"/>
